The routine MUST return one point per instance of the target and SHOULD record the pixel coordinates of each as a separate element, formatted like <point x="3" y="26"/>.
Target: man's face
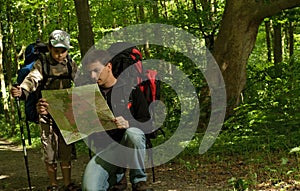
<point x="98" y="72"/>
<point x="58" y="54"/>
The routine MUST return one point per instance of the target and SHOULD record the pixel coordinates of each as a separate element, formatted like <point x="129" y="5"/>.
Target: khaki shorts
<point x="54" y="147"/>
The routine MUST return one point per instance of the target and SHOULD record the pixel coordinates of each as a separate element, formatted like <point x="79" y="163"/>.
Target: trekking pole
<point x="28" y="132"/>
<point x="23" y="139"/>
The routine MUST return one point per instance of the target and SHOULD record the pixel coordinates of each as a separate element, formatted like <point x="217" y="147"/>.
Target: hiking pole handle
<point x="20" y="116"/>
<point x="18" y="102"/>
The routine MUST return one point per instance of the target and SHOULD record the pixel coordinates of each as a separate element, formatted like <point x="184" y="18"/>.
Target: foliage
<point x="264" y="88"/>
<point x="269" y="117"/>
<point x="264" y="128"/>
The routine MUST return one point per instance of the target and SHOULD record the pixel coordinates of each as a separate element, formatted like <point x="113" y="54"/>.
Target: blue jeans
<point x="107" y="167"/>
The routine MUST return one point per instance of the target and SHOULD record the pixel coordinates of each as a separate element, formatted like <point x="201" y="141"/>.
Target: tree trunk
<point x="2" y="79"/>
<point x="41" y="20"/>
<point x="86" y="35"/>
<point x="164" y="7"/>
<point x="155" y="9"/>
<point x="291" y="38"/>
<point x="141" y="13"/>
<point x="268" y="40"/>
<point x="207" y="17"/>
<point x="8" y="66"/>
<point x="236" y="39"/>
<point x="60" y="15"/>
<point x="277" y="45"/>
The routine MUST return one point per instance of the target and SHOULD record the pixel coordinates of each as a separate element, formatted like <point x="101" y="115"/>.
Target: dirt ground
<point x="13" y="174"/>
<point x="169" y="177"/>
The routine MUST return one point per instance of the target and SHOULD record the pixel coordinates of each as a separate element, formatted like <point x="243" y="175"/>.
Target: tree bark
<point x="86" y="35"/>
<point x="60" y="11"/>
<point x="141" y="13"/>
<point x="268" y="40"/>
<point x="291" y="38"/>
<point x="155" y="9"/>
<point x="277" y="44"/>
<point x="236" y="39"/>
<point x="164" y="7"/>
<point x="208" y="16"/>
<point x="9" y="117"/>
<point x="2" y="79"/>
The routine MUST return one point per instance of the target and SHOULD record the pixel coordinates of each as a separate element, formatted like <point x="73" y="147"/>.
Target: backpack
<point x="33" y="52"/>
<point x="124" y="55"/>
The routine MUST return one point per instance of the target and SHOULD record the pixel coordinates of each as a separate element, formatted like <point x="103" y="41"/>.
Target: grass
<point x="253" y="158"/>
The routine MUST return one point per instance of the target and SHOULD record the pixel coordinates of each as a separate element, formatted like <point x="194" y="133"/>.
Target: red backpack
<point x="124" y="55"/>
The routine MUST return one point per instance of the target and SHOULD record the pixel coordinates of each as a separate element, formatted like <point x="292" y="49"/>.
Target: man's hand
<point x="16" y="91"/>
<point x="121" y="122"/>
<point x="42" y="106"/>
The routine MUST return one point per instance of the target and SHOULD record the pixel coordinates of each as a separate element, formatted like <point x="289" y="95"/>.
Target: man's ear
<point x="109" y="65"/>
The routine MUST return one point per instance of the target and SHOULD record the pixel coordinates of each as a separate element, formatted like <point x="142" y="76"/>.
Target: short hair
<point x="96" y="55"/>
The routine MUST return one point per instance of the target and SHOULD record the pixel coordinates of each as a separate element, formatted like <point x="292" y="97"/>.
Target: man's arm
<point x="140" y="112"/>
<point x="31" y="81"/>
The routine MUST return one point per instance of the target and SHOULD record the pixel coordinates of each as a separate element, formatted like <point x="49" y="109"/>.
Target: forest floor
<point x="169" y="177"/>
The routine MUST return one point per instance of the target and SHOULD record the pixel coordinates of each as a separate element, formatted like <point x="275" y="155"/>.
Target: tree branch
<point x="264" y="9"/>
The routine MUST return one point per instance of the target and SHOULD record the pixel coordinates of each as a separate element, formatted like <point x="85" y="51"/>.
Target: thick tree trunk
<point x="86" y="35"/>
<point x="232" y="49"/>
<point x="236" y="40"/>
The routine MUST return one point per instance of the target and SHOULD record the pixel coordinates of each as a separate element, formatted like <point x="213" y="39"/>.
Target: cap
<point x="59" y="39"/>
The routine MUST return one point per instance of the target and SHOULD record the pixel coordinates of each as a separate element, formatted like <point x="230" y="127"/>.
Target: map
<point x="79" y="112"/>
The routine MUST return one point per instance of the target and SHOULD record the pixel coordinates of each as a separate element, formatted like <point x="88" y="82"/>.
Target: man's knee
<point x="95" y="177"/>
<point x="136" y="136"/>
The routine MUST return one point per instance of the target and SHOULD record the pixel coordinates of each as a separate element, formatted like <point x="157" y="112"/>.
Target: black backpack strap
<point x="69" y="62"/>
<point x="42" y="58"/>
<point x="46" y="70"/>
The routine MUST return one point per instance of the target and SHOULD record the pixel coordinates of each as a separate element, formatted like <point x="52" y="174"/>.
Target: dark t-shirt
<point x="131" y="104"/>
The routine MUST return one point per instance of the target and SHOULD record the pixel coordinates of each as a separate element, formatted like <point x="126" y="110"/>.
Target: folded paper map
<point x="79" y="112"/>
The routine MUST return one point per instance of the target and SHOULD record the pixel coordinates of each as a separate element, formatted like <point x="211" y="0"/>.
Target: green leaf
<point x="296" y="149"/>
